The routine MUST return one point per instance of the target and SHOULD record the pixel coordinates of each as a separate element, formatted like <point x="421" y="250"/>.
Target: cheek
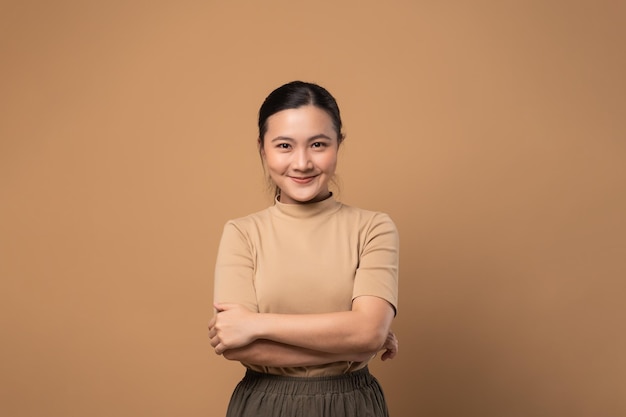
<point x="329" y="163"/>
<point x="274" y="161"/>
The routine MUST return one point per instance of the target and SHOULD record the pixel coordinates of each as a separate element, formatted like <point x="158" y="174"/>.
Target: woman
<point x="305" y="291"/>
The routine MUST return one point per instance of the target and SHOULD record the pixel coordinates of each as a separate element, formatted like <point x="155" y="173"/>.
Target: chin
<point x="302" y="199"/>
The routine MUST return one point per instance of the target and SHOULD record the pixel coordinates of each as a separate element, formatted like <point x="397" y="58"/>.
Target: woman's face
<point x="300" y="153"/>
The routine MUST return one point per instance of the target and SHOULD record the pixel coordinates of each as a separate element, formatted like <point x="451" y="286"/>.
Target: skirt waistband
<point x="295" y="385"/>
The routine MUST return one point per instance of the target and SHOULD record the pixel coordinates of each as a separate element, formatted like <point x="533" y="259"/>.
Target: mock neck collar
<point x="303" y="211"/>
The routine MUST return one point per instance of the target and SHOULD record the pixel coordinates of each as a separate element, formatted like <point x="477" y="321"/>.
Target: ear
<point x="261" y="149"/>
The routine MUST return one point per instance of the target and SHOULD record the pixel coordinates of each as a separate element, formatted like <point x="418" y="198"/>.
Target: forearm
<point x="269" y="353"/>
<point x="364" y="329"/>
<point x="333" y="332"/>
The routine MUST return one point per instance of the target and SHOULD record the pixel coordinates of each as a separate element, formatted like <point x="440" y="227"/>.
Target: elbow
<point x="373" y="318"/>
<point x="368" y="346"/>
<point x="373" y="340"/>
<point x="228" y="354"/>
<point x="249" y="354"/>
<point x="363" y="356"/>
<point x="233" y="355"/>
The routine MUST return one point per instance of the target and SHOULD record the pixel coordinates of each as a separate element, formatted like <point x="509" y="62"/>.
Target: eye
<point x="283" y="145"/>
<point x="319" y="145"/>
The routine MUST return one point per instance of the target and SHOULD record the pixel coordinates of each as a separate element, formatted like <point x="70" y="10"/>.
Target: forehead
<point x="305" y="121"/>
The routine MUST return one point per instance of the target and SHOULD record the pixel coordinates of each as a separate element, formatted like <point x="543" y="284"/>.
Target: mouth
<point x="303" y="180"/>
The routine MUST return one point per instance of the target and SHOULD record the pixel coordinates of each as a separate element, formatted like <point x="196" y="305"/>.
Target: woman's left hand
<point x="390" y="347"/>
<point x="231" y="327"/>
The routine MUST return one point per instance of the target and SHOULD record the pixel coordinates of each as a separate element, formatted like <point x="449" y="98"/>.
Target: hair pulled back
<point x="297" y="94"/>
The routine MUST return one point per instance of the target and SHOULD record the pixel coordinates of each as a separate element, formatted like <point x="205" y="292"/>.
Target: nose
<point x="302" y="160"/>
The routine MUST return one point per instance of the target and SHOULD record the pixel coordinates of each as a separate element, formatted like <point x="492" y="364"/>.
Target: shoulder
<point x="247" y="225"/>
<point x="245" y="232"/>
<point x="250" y="219"/>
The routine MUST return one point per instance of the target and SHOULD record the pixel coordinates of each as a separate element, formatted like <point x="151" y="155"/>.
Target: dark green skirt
<point x="357" y="394"/>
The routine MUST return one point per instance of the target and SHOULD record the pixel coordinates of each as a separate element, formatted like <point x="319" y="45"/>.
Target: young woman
<point x="305" y="291"/>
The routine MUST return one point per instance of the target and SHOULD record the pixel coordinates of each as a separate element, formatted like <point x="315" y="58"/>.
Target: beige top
<point x="307" y="258"/>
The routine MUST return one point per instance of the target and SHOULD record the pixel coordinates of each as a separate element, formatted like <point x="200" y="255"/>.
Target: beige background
<point x="493" y="133"/>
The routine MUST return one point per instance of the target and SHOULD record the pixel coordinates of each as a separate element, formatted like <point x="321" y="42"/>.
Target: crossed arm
<point x="304" y="339"/>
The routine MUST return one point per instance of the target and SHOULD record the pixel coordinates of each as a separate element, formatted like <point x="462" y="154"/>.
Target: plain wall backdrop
<point x="493" y="133"/>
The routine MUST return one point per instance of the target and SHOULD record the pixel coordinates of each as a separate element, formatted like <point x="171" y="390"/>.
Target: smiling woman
<point x="306" y="290"/>
<point x="295" y="110"/>
<point x="301" y="155"/>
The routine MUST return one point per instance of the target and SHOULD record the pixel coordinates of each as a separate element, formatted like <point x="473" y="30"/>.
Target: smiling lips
<point x="302" y="180"/>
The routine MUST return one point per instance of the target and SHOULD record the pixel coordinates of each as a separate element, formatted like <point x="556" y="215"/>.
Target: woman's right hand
<point x="232" y="327"/>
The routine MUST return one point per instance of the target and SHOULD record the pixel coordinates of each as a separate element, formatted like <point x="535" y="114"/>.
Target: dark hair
<point x="297" y="94"/>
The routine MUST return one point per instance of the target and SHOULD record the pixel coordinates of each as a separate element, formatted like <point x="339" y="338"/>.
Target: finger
<point x="389" y="354"/>
<point x="225" y="306"/>
<point x="212" y="321"/>
<point x="392" y="341"/>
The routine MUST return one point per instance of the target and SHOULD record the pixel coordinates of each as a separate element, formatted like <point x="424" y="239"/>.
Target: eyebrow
<point x="312" y="138"/>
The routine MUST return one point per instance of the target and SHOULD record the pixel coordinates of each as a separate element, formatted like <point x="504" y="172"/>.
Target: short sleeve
<point x="234" y="269"/>
<point x="377" y="273"/>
